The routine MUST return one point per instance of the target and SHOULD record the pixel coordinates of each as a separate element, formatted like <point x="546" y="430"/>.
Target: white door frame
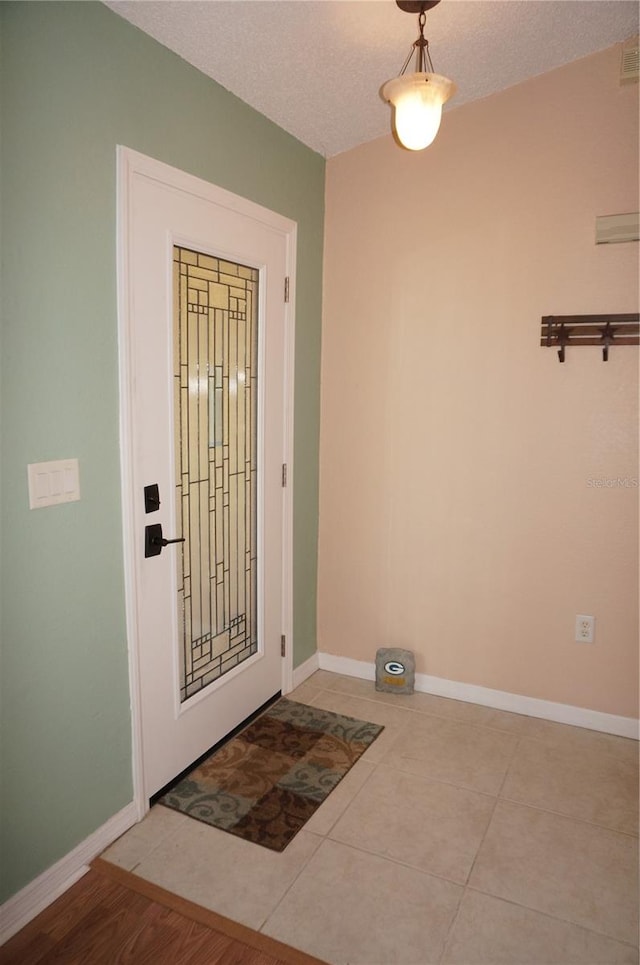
<point x="131" y="164"/>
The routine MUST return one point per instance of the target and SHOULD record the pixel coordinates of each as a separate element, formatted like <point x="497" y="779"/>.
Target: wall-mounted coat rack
<point x="604" y="330"/>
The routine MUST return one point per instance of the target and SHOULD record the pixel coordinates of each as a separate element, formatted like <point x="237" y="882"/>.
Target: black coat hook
<point x="562" y="339"/>
<point x="607" y="334"/>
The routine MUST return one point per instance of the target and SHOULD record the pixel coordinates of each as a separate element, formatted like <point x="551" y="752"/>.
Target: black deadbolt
<point x="151" y="498"/>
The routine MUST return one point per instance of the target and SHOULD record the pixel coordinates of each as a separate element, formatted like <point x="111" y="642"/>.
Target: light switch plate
<point x="51" y="483"/>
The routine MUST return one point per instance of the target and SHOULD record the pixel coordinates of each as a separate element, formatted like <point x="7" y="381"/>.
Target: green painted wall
<point x="76" y="81"/>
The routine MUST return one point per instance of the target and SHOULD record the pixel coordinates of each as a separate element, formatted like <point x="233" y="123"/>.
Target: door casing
<point x="131" y="164"/>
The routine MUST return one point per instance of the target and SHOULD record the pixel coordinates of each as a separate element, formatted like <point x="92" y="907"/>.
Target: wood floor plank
<point x="36" y="939"/>
<point x="92" y="892"/>
<point x="112" y="917"/>
<point x="26" y="949"/>
<point x="50" y="925"/>
<point x="101" y="931"/>
<point x="270" y="946"/>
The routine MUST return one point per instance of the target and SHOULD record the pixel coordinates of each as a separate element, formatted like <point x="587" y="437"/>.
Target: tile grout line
<point x="203" y="825"/>
<point x="395" y="861"/>
<point x="573" y="742"/>
<point x="496" y="799"/>
<point x="436" y="780"/>
<point x="460" y="720"/>
<point x="452" y="925"/>
<point x="374" y="766"/>
<point x="302" y="868"/>
<point x="519" y="739"/>
<point x="498" y="796"/>
<point x="323" y="837"/>
<point x="547" y="810"/>
<point x="495" y="805"/>
<point x="555" y="814"/>
<point x="479" y="848"/>
<point x="420" y="713"/>
<point x="570" y="817"/>
<point x="547" y="914"/>
<point x="379" y="703"/>
<point x="152" y="849"/>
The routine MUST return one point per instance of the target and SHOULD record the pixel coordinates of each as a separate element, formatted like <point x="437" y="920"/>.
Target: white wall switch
<point x="51" y="483"/>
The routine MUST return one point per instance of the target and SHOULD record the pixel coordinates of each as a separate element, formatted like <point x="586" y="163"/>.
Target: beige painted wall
<point x="458" y="516"/>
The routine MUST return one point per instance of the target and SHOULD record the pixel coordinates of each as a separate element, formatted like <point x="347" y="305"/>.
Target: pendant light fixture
<point x="417" y="98"/>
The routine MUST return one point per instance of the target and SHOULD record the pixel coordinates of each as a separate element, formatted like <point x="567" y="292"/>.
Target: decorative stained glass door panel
<point x="215" y="357"/>
<point x="205" y="341"/>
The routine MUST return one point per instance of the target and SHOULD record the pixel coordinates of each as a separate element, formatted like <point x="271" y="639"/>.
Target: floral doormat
<point x="265" y="783"/>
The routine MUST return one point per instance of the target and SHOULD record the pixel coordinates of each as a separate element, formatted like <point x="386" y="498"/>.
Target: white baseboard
<point x="19" y="910"/>
<point x="347" y="666"/>
<point x="305" y="670"/>
<point x="498" y="699"/>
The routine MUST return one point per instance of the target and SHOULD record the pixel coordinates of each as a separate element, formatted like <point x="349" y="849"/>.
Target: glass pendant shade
<point x="417" y="100"/>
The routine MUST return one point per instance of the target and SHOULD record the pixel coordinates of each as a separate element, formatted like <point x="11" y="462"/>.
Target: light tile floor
<point x="463" y="836"/>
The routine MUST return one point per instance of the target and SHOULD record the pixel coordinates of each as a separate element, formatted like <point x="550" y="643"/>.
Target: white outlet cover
<point x="52" y="483"/>
<point x="585" y="628"/>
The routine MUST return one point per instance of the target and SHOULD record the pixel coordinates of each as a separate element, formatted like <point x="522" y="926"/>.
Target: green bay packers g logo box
<point x="395" y="670"/>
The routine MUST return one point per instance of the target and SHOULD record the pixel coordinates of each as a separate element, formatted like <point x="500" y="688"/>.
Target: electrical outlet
<point x="585" y="628"/>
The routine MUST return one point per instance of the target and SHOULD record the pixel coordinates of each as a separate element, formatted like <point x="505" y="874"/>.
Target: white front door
<point x="205" y="335"/>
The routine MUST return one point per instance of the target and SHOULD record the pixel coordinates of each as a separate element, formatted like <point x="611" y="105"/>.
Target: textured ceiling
<point x="315" y="67"/>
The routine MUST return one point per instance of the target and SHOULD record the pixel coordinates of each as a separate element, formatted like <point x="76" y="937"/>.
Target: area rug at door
<point x="265" y="783"/>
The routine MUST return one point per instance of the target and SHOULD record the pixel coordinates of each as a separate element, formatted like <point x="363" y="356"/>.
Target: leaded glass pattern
<point x="215" y="378"/>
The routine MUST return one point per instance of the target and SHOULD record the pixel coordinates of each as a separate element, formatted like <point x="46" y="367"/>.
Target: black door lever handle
<point x="154" y="540"/>
<point x="157" y="540"/>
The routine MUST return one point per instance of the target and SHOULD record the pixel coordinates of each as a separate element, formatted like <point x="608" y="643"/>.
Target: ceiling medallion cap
<point x="416" y="6"/>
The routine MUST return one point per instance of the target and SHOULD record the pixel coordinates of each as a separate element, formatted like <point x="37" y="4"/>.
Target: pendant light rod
<point x="421" y="46"/>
